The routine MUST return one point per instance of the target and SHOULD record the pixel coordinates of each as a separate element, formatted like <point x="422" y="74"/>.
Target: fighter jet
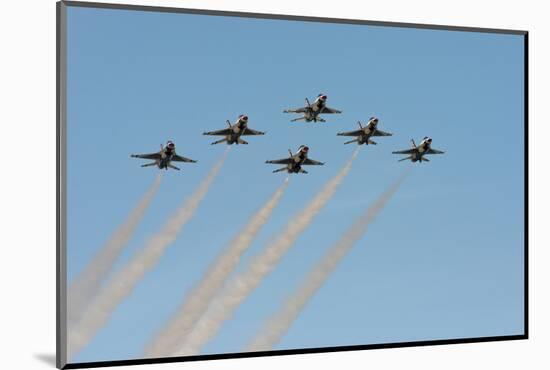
<point x="234" y="132"/>
<point x="417" y="153"/>
<point x="164" y="158"/>
<point x="365" y="133"/>
<point x="311" y="111"/>
<point x="295" y="162"/>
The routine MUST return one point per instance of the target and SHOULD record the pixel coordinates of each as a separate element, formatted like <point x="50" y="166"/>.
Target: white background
<point x="27" y="196"/>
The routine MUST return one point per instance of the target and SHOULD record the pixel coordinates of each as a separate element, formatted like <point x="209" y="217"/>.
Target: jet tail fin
<point x="280" y="169"/>
<point x="149" y="164"/>
<point x="241" y="141"/>
<point x="303" y="171"/>
<point x="424" y="159"/>
<point x="298" y="119"/>
<point x="404" y="159"/>
<point x="371" y="142"/>
<point x="351" y="141"/>
<point x="228" y="123"/>
<point x="307" y="102"/>
<point x="173" y="167"/>
<point x="218" y="141"/>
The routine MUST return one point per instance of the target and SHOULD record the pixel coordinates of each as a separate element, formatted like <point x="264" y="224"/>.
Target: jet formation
<point x="294" y="162"/>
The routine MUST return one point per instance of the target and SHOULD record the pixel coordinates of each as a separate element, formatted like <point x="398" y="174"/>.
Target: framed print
<point x="235" y="184"/>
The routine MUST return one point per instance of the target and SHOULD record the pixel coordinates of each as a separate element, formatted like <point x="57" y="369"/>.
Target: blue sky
<point x="443" y="260"/>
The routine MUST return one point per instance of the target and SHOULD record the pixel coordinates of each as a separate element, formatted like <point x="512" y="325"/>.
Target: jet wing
<point x="350" y="133"/>
<point x="297" y="110"/>
<point x="280" y="161"/>
<point x="179" y="158"/>
<point x="434" y="151"/>
<point x="330" y="110"/>
<point x="225" y="131"/>
<point x="312" y="162"/>
<point x="407" y="151"/>
<point x="147" y="156"/>
<point x="249" y="131"/>
<point x="381" y="133"/>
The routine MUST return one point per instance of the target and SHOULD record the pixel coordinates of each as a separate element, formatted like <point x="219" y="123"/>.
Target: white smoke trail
<point x="87" y="284"/>
<point x="212" y="281"/>
<point x="124" y="281"/>
<point x="277" y="326"/>
<point x="243" y="284"/>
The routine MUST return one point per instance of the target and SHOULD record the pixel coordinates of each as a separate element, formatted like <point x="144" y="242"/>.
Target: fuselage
<point x="368" y="131"/>
<point x="421" y="150"/>
<point x="312" y="112"/>
<point x="298" y="159"/>
<point x="237" y="130"/>
<point x="166" y="155"/>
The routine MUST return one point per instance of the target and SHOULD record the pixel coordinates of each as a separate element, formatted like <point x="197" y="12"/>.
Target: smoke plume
<point x="277" y="326"/>
<point x="212" y="281"/>
<point x="86" y="285"/>
<point x="244" y="283"/>
<point x="125" y="280"/>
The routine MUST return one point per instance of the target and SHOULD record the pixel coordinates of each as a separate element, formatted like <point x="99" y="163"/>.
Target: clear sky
<point x="443" y="260"/>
